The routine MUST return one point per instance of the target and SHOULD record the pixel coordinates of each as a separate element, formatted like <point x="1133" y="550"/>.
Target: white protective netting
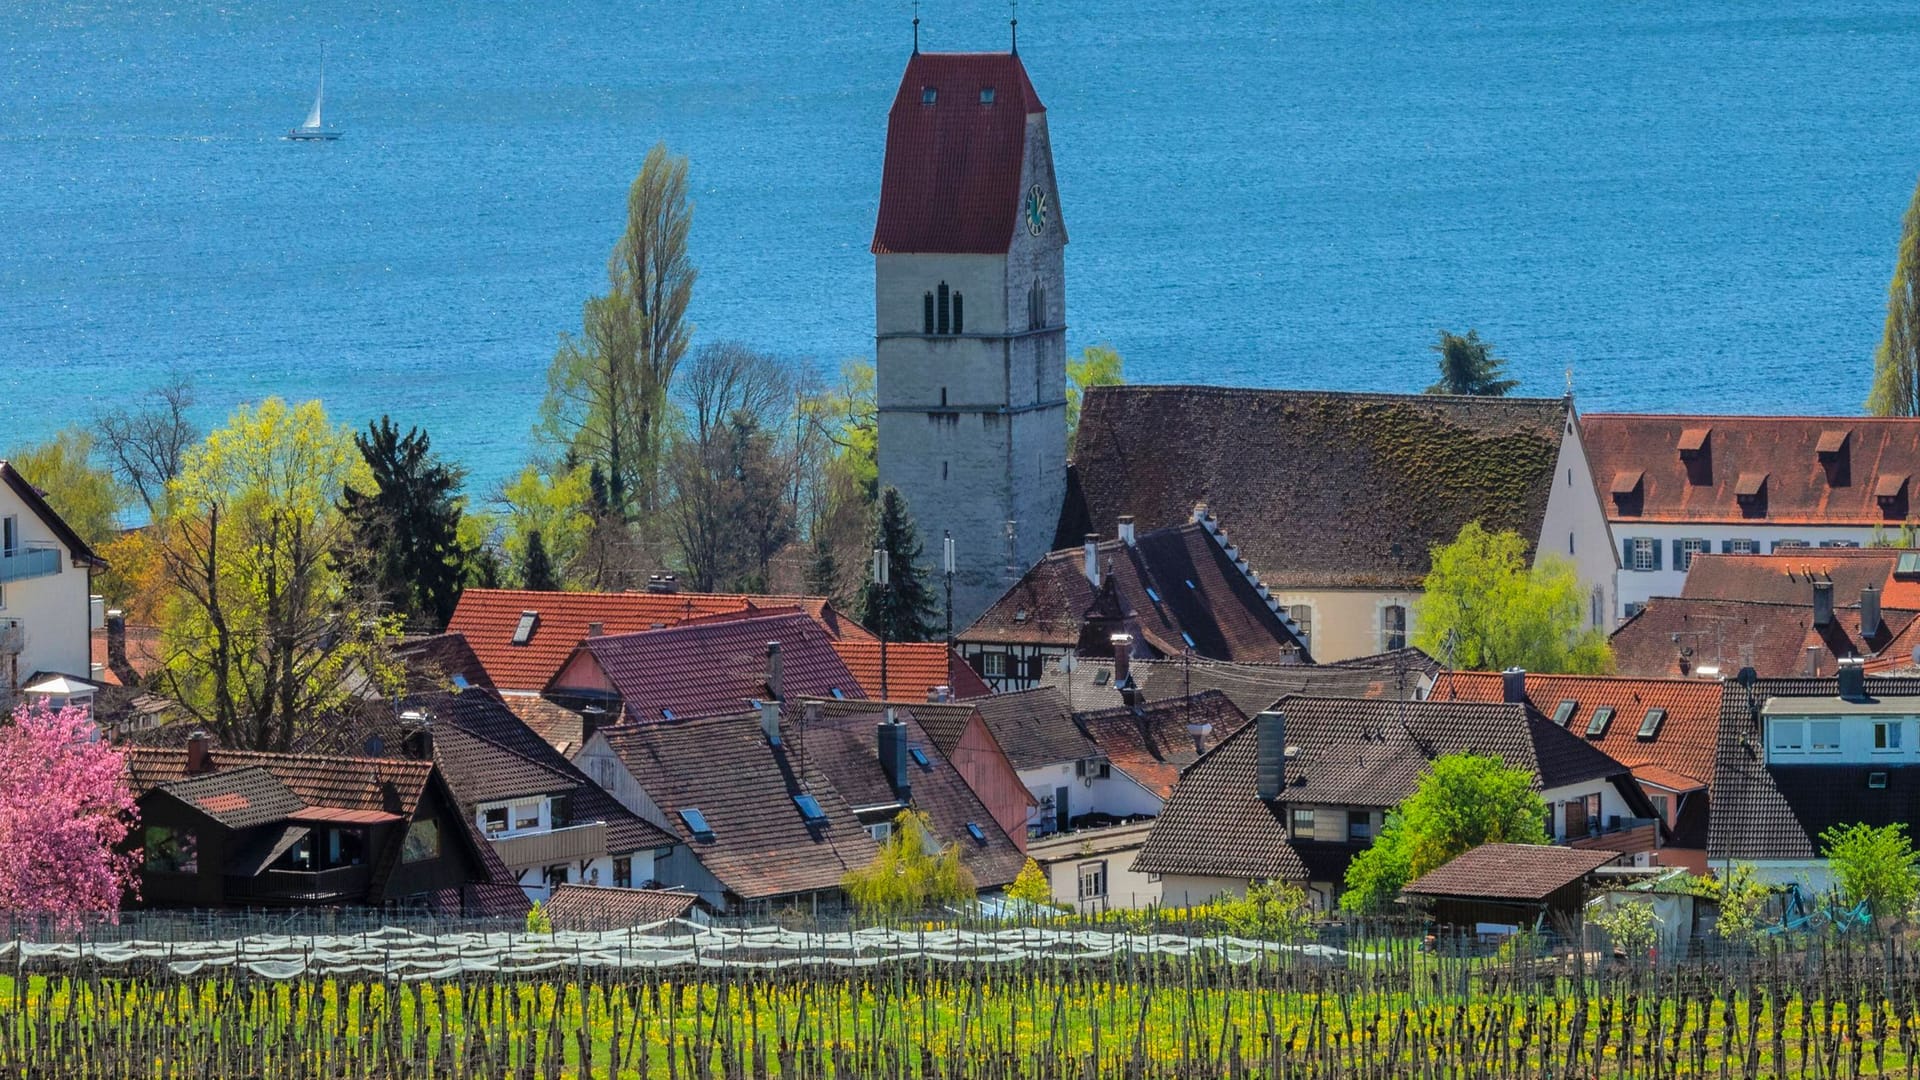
<point x="395" y="953"/>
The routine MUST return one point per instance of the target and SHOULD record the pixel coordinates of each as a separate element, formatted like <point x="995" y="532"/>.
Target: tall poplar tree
<point x="1896" y="365"/>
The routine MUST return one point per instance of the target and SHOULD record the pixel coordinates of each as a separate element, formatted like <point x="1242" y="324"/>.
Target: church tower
<point x="970" y="319"/>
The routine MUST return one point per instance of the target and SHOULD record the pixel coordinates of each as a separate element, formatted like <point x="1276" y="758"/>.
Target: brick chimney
<point x="1513" y="686"/>
<point x="1869" y="611"/>
<point x="591" y="718"/>
<point x="775" y="685"/>
<point x="197" y="760"/>
<point x="417" y="740"/>
<point x="1092" y="567"/>
<point x="1126" y="529"/>
<point x="1822" y="603"/>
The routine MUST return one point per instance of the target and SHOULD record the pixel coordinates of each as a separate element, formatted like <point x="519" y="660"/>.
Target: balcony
<point x="1626" y="835"/>
<point x="302" y="886"/>
<point x="31" y="561"/>
<point x="587" y="841"/>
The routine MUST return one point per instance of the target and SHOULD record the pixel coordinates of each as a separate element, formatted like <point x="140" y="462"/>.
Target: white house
<point x="1679" y="486"/>
<point x="47" y="610"/>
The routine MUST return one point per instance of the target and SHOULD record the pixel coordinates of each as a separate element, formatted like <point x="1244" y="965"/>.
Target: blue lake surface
<point x="1694" y="206"/>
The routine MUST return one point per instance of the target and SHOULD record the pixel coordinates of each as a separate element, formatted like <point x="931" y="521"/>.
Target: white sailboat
<point x="312" y="129"/>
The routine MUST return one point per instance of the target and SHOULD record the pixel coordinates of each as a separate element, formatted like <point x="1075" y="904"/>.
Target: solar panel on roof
<point x="696" y="822"/>
<point x="1601" y="718"/>
<point x="810" y="808"/>
<point x="979" y="836"/>
<point x="1564" y="713"/>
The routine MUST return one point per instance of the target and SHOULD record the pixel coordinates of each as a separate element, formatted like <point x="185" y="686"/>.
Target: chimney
<point x="1270" y="754"/>
<point x="661" y="583"/>
<point x="1513" y="686"/>
<point x="1126" y="529"/>
<point x="1869" y="612"/>
<point x="1822" y="603"/>
<point x="197" y="754"/>
<point x="591" y="718"/>
<point x="595" y="629"/>
<point x="417" y="740"/>
<point x="770" y="721"/>
<point x="774" y="684"/>
<point x="810" y="712"/>
<point x="1853" y="679"/>
<point x="117" y="649"/>
<point x="1092" y="568"/>
<point x="893" y="757"/>
<point x="1199" y="733"/>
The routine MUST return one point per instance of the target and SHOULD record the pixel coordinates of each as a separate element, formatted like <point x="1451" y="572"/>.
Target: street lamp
<point x="947" y="546"/>
<point x="883" y="580"/>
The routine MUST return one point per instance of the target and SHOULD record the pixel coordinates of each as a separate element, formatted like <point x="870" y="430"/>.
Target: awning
<point x="334" y="815"/>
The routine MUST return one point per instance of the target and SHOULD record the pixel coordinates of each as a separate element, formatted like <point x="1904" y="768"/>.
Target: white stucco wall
<point x="1575" y="527"/>
<point x="1117" y="794"/>
<point x="52" y="610"/>
<point x="1638" y="586"/>
<point x="1125" y="888"/>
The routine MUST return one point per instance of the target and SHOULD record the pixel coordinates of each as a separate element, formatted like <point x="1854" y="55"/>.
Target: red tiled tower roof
<point x="952" y="178"/>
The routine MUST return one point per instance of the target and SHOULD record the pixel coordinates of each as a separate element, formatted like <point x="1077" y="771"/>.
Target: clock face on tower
<point x="1036" y="210"/>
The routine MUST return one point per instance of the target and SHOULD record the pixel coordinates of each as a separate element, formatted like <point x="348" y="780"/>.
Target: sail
<point x="313" y="118"/>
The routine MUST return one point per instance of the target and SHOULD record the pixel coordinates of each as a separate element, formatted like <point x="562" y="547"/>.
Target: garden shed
<point x="1501" y="887"/>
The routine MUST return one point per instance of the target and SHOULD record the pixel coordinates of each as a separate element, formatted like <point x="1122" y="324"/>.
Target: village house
<point x="1295" y="794"/>
<point x="1798" y="756"/>
<point x="1089" y="683"/>
<point x="228" y="828"/>
<point x="1178" y="591"/>
<point x="1509" y="886"/>
<point x="1681" y="486"/>
<point x="1092" y="870"/>
<point x="1673" y="637"/>
<point x="47" y="608"/>
<point x="1665" y="730"/>
<point x="1362" y="486"/>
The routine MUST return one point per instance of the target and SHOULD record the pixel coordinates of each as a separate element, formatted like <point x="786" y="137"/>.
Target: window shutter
<point x="1626" y="553"/>
<point x="1726" y="547"/>
<point x="1656" y="553"/>
<point x="1679" y="556"/>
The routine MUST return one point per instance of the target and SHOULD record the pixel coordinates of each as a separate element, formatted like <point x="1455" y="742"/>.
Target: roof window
<point x="696" y="823"/>
<point x="1651" y="725"/>
<point x="666" y="714"/>
<point x="928" y="95"/>
<point x="1877" y="781"/>
<point x="1188" y="638"/>
<point x="1151" y="595"/>
<point x="986" y="95"/>
<point x="810" y="809"/>
<point x="979" y="835"/>
<point x="1602" y="716"/>
<point x="1100" y="676"/>
<point x="460" y="681"/>
<point x="1190" y="583"/>
<point x="837" y="695"/>
<point x="523" y="632"/>
<point x="919" y="757"/>
<point x="1564" y="714"/>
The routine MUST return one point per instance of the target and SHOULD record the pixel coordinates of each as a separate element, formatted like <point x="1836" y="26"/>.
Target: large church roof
<point x="952" y="177"/>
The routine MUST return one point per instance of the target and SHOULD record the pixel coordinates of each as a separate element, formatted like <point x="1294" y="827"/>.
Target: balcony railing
<point x="29" y="562"/>
<point x="587" y="841"/>
<point x="339" y="883"/>
<point x="1614" y="833"/>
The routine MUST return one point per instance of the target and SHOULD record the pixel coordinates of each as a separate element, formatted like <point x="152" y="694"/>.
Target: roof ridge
<point x="1277" y="391"/>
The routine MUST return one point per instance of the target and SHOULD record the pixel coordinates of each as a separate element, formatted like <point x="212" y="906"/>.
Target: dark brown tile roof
<point x="433" y="661"/>
<point x="593" y="908"/>
<point x="237" y="798"/>
<point x="951" y="182"/>
<point x="1035" y="728"/>
<point x="1151" y="742"/>
<point x="1770" y="638"/>
<point x="1173" y="589"/>
<point x="1682" y="745"/>
<point x="718" y="667"/>
<point x="1319" y="489"/>
<point x="1253" y="687"/>
<point x="1350" y="752"/>
<point x="394" y="785"/>
<point x="559" y="725"/>
<point x="723" y="767"/>
<point x="1511" y="872"/>
<point x="1787" y="576"/>
<point x="1868" y="455"/>
<point x="1779" y="813"/>
<point x="846" y="747"/>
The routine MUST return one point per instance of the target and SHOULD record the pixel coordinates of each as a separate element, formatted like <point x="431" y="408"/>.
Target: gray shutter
<point x="1679" y="557"/>
<point x="1656" y="553"/>
<point x="1726" y="547"/>
<point x="1626" y="553"/>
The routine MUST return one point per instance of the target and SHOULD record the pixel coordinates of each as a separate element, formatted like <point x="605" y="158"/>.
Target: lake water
<point x="1695" y="206"/>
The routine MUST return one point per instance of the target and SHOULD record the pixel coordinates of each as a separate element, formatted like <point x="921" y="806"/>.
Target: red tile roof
<point x="1787" y="577"/>
<point x="143" y="652"/>
<point x="913" y="668"/>
<point x="1319" y="489"/>
<point x="1151" y="743"/>
<point x="1773" y="639"/>
<point x="718" y="666"/>
<point x="1511" y="871"/>
<point x="1684" y="743"/>
<point x="1803" y="485"/>
<point x="951" y="182"/>
<point x="487" y="619"/>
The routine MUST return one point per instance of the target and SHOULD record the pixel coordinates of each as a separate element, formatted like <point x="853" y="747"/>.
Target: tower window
<point x="929" y="312"/>
<point x="928" y="95"/>
<point x="1036" y="306"/>
<point x="941" y="309"/>
<point x="943" y="397"/>
<point x="986" y="95"/>
<point x="958" y="322"/>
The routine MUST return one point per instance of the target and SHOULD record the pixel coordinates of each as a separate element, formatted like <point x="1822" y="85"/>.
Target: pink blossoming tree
<point x="64" y="809"/>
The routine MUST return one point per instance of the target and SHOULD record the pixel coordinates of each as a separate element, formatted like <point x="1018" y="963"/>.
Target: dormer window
<point x="986" y="95"/>
<point x="928" y="95"/>
<point x="1832" y="452"/>
<point x="1890" y="491"/>
<point x="1627" y="487"/>
<point x="1751" y="492"/>
<point x="1696" y="450"/>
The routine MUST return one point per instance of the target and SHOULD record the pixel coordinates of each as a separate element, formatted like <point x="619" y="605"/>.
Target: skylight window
<point x="928" y="95"/>
<point x="1190" y="583"/>
<point x="1601" y="718"/>
<point x="1151" y="595"/>
<point x="1188" y="638"/>
<point x="837" y="695"/>
<point x="810" y="809"/>
<point x="523" y="632"/>
<point x="1877" y="781"/>
<point x="1564" y="714"/>
<point x="920" y="758"/>
<point x="1651" y="725"/>
<point x="979" y="835"/>
<point x="460" y="681"/>
<point x="1100" y="676"/>
<point x="986" y="95"/>
<point x="696" y="823"/>
<point x="666" y="714"/>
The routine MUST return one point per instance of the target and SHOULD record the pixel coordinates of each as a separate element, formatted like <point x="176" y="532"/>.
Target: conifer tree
<point x="536" y="570"/>
<point x="1468" y="366"/>
<point x="405" y="546"/>
<point x="1896" y="365"/>
<point x="905" y="609"/>
<point x="823" y="570"/>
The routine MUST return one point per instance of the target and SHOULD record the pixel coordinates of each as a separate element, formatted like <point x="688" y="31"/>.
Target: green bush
<point x="537" y="920"/>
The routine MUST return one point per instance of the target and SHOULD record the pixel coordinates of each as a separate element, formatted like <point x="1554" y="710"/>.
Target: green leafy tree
<point x="607" y="388"/>
<point x="261" y="635"/>
<point x="1463" y="801"/>
<point x="1097" y="365"/>
<point x="836" y="459"/>
<point x="904" y="611"/>
<point x="538" y="921"/>
<point x="1631" y="927"/>
<point x="909" y="874"/>
<point x="1876" y="865"/>
<point x="554" y="503"/>
<point x="406" y="546"/>
<point x="1275" y="910"/>
<point x="87" y="499"/>
<point x="1031" y="885"/>
<point x="1468" y="366"/>
<point x="1502" y="614"/>
<point x="536" y="570"/>
<point x="1896" y="364"/>
<point x="1743" y="901"/>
